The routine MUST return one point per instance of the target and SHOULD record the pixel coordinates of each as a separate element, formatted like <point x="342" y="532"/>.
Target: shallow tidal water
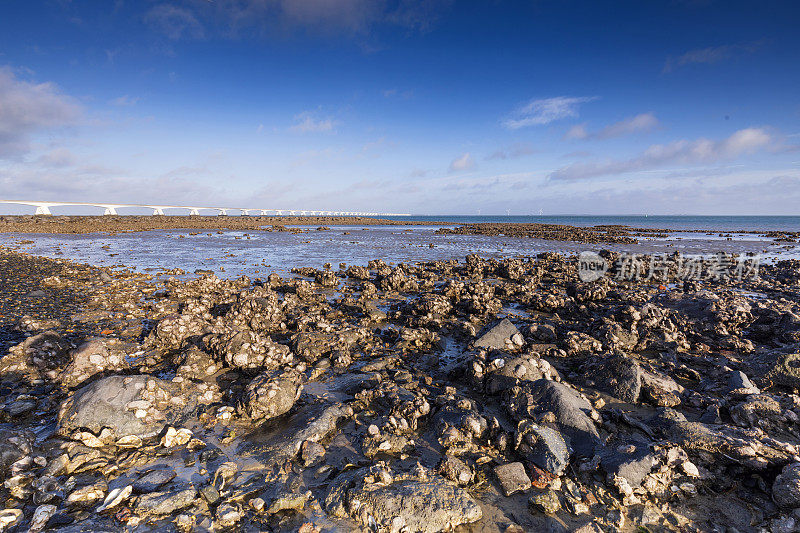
<point x="230" y="254"/>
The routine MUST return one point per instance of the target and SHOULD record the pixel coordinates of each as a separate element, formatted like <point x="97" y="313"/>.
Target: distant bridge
<point x="43" y="208"/>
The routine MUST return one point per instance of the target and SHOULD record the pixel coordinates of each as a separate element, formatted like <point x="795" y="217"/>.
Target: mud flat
<point x="608" y="233"/>
<point x="477" y="395"/>
<point x="128" y="223"/>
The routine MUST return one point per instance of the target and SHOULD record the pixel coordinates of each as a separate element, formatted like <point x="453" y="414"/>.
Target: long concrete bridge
<point x="43" y="208"/>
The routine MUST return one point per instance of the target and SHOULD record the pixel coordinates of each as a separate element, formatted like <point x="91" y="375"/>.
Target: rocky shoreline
<point x="475" y="396"/>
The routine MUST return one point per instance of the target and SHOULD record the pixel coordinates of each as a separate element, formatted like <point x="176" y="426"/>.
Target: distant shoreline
<point x="114" y="224"/>
<point x="69" y="224"/>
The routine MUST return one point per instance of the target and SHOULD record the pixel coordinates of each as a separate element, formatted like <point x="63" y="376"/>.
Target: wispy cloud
<point x="640" y="123"/>
<point x="512" y="152"/>
<point x="306" y="123"/>
<point x="742" y="142"/>
<point x="241" y="18"/>
<point x="463" y="162"/>
<point x="712" y="54"/>
<point x="57" y="158"/>
<point x="175" y="22"/>
<point x="545" y="111"/>
<point x="125" y="101"/>
<point x="27" y="108"/>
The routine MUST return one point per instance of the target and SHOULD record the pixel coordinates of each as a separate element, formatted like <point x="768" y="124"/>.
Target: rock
<point x="777" y="368"/>
<point x="312" y="423"/>
<point x="44" y="352"/>
<point x="545" y="333"/>
<point x="163" y="503"/>
<point x="272" y="394"/>
<point x="631" y="461"/>
<point x="227" y="516"/>
<point x="618" y="376"/>
<point x="786" y="488"/>
<point x="495" y="338"/>
<point x="127" y="405"/>
<point x="422" y="504"/>
<point x="288" y="495"/>
<point x="312" y="453"/>
<point x="545" y="502"/>
<point x="570" y="412"/>
<point x="91" y="358"/>
<point x="513" y="372"/>
<point x="738" y="380"/>
<point x="153" y="480"/>
<point x="512" y="478"/>
<point x="543" y="446"/>
<point x="455" y="469"/>
<point x="746" y="447"/>
<point x="210" y="494"/>
<point x="659" y="389"/>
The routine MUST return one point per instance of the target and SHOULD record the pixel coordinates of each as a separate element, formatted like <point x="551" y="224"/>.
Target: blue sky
<point x="426" y="107"/>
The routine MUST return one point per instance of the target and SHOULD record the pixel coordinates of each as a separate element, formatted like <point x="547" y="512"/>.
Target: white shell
<point x="115" y="497"/>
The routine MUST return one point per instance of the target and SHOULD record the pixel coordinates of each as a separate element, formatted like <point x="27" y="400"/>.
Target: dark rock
<point x="164" y="503"/>
<point x="786" y="489"/>
<point x="543" y="446"/>
<point x="618" y="376"/>
<point x="631" y="461"/>
<point x="570" y="412"/>
<point x="738" y="380"/>
<point x="495" y="338"/>
<point x="153" y="480"/>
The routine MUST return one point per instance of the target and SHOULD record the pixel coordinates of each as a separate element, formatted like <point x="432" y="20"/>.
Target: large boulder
<point x="137" y="405"/>
<point x="561" y="407"/>
<point x="619" y="376"/>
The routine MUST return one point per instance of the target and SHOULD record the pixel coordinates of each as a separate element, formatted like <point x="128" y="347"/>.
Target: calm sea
<point x="672" y="222"/>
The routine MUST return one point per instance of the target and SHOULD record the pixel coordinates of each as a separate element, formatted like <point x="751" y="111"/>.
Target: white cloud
<point x="125" y="101"/>
<point x="27" y="108"/>
<point x="545" y="111"/>
<point x="712" y="54"/>
<point x="58" y="158"/>
<point x="463" y="162"/>
<point x="306" y="123"/>
<point x="512" y="152"/>
<point x="700" y="151"/>
<point x="578" y="131"/>
<point x="640" y="123"/>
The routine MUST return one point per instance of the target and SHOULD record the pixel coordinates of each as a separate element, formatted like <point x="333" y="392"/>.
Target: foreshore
<point x="130" y="223"/>
<point x="476" y="395"/>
